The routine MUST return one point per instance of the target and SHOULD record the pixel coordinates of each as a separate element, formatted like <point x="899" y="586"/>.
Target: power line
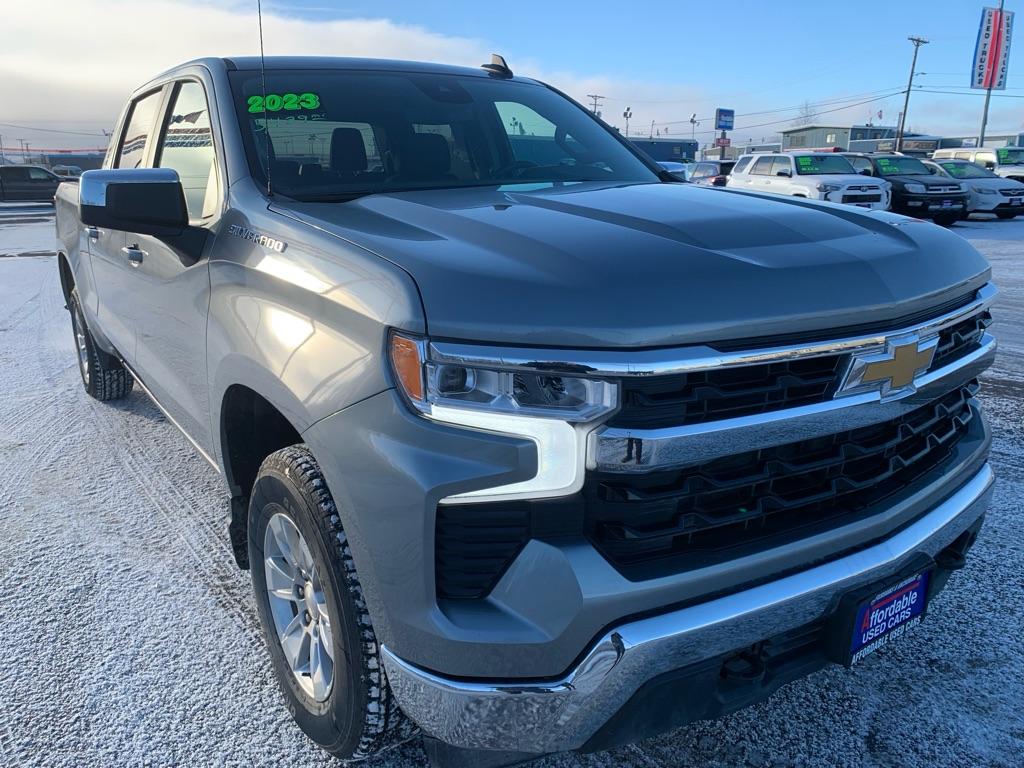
<point x="51" y="130"/>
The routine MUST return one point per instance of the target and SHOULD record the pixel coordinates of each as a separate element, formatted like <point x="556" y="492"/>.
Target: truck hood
<point x="646" y="265"/>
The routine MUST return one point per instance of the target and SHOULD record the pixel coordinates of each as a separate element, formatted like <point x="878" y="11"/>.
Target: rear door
<point x="170" y="288"/>
<point x="761" y="173"/>
<point x="114" y="283"/>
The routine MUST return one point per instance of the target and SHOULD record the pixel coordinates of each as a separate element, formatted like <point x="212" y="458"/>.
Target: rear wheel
<point x="1005" y="214"/>
<point x="322" y="645"/>
<point x="103" y="375"/>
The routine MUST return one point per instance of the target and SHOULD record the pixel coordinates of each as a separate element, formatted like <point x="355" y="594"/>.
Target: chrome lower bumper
<point x="554" y="716"/>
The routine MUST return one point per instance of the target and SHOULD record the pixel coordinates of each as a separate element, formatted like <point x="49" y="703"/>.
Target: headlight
<point x="556" y="411"/>
<point x="914" y="189"/>
<point x="983" y="191"/>
<point x="826" y="188"/>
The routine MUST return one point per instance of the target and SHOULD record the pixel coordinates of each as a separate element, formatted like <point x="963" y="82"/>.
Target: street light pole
<point x="918" y="42"/>
<point x="627" y="113"/>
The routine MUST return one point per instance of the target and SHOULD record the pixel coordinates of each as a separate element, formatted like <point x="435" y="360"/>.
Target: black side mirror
<point x="784" y="172"/>
<point x="990" y="165"/>
<point x="149" y="201"/>
<point x="864" y="171"/>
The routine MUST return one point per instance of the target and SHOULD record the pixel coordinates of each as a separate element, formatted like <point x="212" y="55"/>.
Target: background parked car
<point x="987" y="191"/>
<point x="67" y="171"/>
<point x="813" y="175"/>
<point x="27" y="182"/>
<point x="915" y="190"/>
<point x="712" y="172"/>
<point x="1007" y="162"/>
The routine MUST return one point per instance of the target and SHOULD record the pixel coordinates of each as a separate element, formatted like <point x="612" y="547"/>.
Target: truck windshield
<point x="901" y="166"/>
<point x="339" y="134"/>
<point x="823" y="164"/>
<point x="1010" y="156"/>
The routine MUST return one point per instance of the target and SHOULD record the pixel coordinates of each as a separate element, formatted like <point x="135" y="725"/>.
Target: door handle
<point x="93" y="233"/>
<point x="134" y="253"/>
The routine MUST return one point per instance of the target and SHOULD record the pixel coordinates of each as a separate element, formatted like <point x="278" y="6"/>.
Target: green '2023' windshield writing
<point x="822" y="165"/>
<point x="901" y="166"/>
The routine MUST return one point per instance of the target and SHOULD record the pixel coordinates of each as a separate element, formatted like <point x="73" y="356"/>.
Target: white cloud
<point x="77" y="73"/>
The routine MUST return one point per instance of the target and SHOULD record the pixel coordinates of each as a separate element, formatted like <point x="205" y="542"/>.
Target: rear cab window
<point x="741" y="166"/>
<point x="763" y="166"/>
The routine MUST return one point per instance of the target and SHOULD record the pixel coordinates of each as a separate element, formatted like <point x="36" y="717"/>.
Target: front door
<point x="171" y="288"/>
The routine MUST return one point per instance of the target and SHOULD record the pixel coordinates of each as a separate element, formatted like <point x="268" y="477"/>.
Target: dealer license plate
<point x="888" y="616"/>
<point x="1016" y="200"/>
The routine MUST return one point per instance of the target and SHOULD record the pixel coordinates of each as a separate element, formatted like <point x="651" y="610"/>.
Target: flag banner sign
<point x="992" y="51"/>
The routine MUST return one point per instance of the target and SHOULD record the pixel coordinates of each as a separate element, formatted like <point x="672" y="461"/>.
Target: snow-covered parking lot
<point x="129" y="637"/>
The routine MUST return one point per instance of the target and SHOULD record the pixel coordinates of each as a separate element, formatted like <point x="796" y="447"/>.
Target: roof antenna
<point x="263" y="78"/>
<point x="497" y="66"/>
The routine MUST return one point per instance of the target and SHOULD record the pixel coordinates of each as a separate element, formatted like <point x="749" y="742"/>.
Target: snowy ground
<point x="129" y="638"/>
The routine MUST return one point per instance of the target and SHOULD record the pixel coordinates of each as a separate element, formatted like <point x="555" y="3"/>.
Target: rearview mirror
<point x="148" y="201"/>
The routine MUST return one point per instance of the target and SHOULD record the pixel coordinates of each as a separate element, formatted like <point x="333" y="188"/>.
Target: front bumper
<point x="928" y="206"/>
<point x="565" y="714"/>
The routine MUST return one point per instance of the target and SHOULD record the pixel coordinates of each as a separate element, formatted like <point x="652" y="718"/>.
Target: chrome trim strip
<point x="615" y="449"/>
<point x="553" y="716"/>
<point x="661" y="362"/>
<point x="170" y="418"/>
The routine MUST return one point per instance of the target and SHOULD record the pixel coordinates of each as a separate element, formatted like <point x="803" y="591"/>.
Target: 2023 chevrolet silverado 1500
<point x="529" y="446"/>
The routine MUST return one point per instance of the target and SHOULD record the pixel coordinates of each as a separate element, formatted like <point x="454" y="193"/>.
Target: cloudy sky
<point x="67" y="65"/>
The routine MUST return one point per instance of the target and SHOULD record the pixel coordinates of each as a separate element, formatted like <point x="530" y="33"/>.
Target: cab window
<point x="741" y="166"/>
<point x="763" y="166"/>
<point x="780" y="164"/>
<point x="137" y="131"/>
<point x="186" y="145"/>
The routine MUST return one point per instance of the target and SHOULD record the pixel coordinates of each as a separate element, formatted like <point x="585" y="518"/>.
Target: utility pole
<point x="596" y="98"/>
<point x="652" y="129"/>
<point x="627" y="113"/>
<point x="918" y="42"/>
<point x="2" y="161"/>
<point x="988" y="91"/>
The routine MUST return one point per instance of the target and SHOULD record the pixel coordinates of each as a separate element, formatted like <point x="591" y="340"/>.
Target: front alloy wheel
<point x="298" y="606"/>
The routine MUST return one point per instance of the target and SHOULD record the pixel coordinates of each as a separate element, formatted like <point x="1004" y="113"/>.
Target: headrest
<point x="348" y="152"/>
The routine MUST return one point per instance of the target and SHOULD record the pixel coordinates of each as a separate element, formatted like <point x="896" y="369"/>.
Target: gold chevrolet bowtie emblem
<point x="902" y="368"/>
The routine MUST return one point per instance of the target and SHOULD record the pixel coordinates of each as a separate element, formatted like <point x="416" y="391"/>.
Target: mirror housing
<point x="865" y="172"/>
<point x="785" y="172"/>
<point x="147" y="201"/>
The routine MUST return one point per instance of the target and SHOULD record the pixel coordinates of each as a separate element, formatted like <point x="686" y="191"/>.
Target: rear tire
<point x="103" y="375"/>
<point x="1005" y="214"/>
<point x="315" y="593"/>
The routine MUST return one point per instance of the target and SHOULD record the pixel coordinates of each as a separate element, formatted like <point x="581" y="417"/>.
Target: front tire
<point x="1005" y="214"/>
<point x="324" y="652"/>
<point x="947" y="220"/>
<point x="103" y="375"/>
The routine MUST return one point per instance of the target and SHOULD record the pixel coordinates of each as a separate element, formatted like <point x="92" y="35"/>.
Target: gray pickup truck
<point x="530" y="447"/>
